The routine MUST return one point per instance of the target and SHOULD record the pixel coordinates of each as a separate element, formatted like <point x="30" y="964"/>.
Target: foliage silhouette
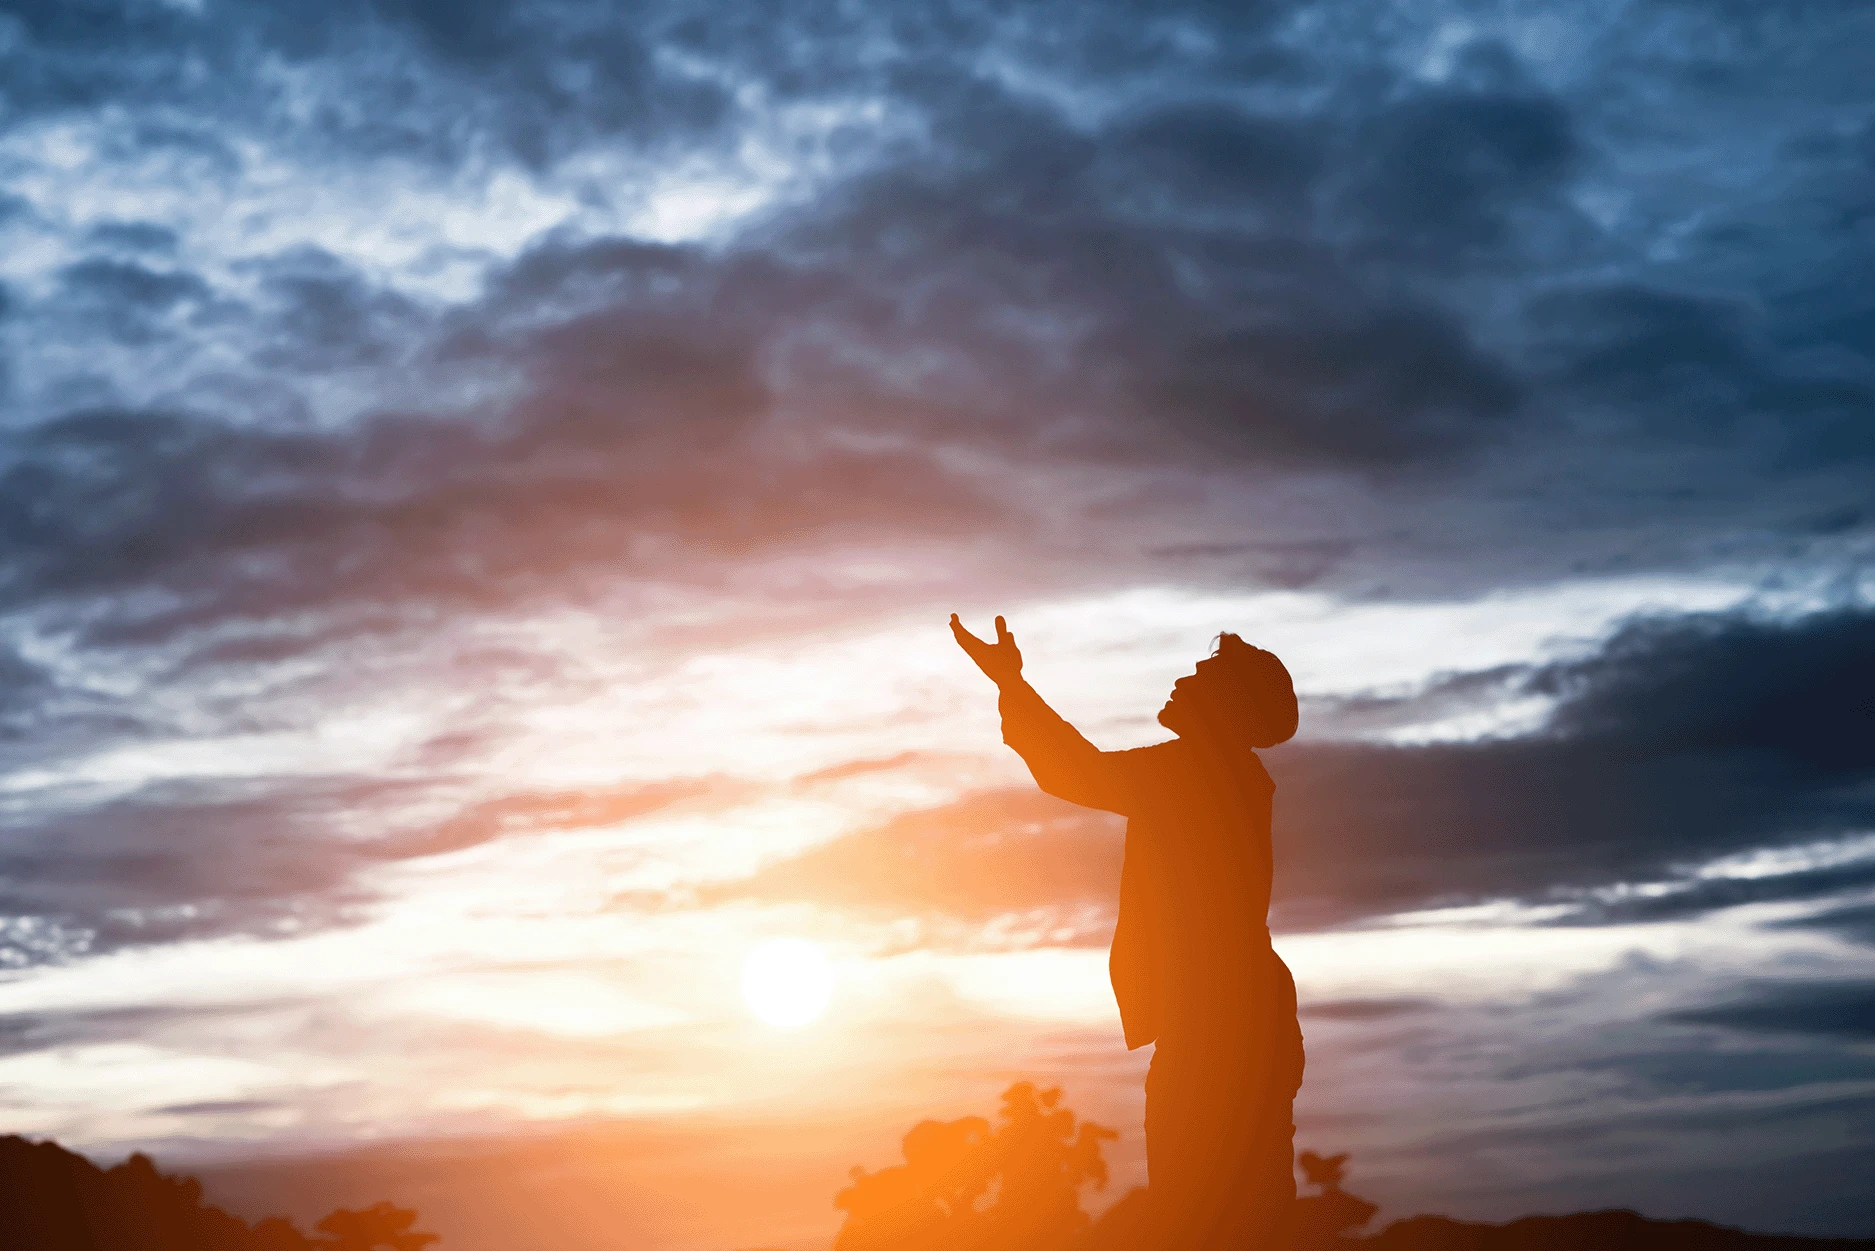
<point x="1321" y="1219"/>
<point x="955" y="1193"/>
<point x="380" y="1225"/>
<point x="968" y="1186"/>
<point x="54" y="1200"/>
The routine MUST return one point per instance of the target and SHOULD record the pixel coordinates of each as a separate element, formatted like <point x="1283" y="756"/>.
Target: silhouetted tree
<point x="966" y="1186"/>
<point x="1043" y="1159"/>
<point x="54" y="1200"/>
<point x="929" y="1202"/>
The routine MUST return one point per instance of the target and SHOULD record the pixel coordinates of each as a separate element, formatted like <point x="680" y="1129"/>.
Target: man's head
<point x="1239" y="692"/>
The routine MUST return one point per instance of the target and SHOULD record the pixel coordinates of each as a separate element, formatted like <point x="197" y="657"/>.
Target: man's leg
<point x="1220" y="1139"/>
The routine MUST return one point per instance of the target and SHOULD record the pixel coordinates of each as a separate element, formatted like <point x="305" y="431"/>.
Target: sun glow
<point x="787" y="982"/>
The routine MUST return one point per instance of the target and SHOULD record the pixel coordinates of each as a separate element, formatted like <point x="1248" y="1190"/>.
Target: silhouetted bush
<point x="968" y="1186"/>
<point x="54" y="1200"/>
<point x="1322" y="1218"/>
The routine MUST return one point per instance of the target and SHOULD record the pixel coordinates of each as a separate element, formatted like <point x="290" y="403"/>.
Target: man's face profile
<point x="1193" y="702"/>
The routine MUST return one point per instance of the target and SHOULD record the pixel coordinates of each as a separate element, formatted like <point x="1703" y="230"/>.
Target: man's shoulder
<point x="1171" y="752"/>
<point x="1180" y="756"/>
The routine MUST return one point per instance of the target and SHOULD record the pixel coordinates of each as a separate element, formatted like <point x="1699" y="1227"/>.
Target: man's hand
<point x="1000" y="661"/>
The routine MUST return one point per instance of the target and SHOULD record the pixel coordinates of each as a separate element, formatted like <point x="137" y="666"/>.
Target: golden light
<point x="787" y="982"/>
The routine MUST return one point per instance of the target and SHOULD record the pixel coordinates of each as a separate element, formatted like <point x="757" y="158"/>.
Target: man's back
<point x="1192" y="953"/>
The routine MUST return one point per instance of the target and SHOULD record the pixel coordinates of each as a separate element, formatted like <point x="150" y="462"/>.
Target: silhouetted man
<point x="1192" y="965"/>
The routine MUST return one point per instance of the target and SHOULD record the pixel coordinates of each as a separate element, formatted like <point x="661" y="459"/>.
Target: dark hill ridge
<point x="1122" y="1228"/>
<point x="1588" y="1231"/>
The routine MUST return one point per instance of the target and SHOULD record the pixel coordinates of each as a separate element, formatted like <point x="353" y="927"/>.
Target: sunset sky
<point x="483" y="483"/>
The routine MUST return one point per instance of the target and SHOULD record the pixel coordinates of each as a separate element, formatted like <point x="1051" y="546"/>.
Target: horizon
<point x="483" y="486"/>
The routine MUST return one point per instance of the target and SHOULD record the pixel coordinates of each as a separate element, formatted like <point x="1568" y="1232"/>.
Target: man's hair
<point x="1259" y="684"/>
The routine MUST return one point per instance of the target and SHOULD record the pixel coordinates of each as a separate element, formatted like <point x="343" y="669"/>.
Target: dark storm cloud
<point x="1691" y="898"/>
<point x="22" y="683"/>
<point x="216" y="1107"/>
<point x="126" y="301"/>
<point x="1447" y="171"/>
<point x="1683" y="739"/>
<point x="1183" y="280"/>
<point x="134" y="237"/>
<point x="648" y="415"/>
<point x="52" y="1031"/>
<point x="1111" y="311"/>
<point x="1365" y="1009"/>
<point x="1809" y="1062"/>
<point x="26" y="1032"/>
<point x="41" y="717"/>
<point x="1837" y="1009"/>
<point x="1857" y="924"/>
<point x="433" y="81"/>
<point x="172" y="862"/>
<point x="323" y="315"/>
<point x="974" y="261"/>
<point x="240" y="521"/>
<point x="1694" y="367"/>
<point x="1733" y="685"/>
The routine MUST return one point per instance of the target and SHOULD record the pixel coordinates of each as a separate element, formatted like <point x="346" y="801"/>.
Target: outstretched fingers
<point x="1000" y="661"/>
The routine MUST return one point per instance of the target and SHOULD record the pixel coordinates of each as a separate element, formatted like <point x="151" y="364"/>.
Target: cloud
<point x="412" y="79"/>
<point x="267" y="858"/>
<point x="1176" y="301"/>
<point x="1703" y="369"/>
<point x="995" y="854"/>
<point x="1445" y="172"/>
<point x="533" y="811"/>
<point x="130" y="302"/>
<point x="1688" y="897"/>
<point x="325" y="316"/>
<point x="1857" y="924"/>
<point x="172" y="862"/>
<point x="22" y="1033"/>
<point x="22" y="685"/>
<point x="1837" y="1009"/>
<point x="1684" y="738"/>
<point x="211" y="521"/>
<point x="216" y="1107"/>
<point x="1365" y="1009"/>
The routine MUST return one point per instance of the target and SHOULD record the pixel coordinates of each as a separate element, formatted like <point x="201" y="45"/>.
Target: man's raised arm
<point x="1063" y="762"/>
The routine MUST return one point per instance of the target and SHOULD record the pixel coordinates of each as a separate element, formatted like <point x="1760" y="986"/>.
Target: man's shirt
<point x="1191" y="953"/>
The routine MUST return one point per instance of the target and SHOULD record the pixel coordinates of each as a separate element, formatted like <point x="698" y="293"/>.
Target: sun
<point x="786" y="982"/>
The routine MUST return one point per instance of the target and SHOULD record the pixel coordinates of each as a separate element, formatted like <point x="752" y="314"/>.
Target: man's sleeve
<point x="1064" y="763"/>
